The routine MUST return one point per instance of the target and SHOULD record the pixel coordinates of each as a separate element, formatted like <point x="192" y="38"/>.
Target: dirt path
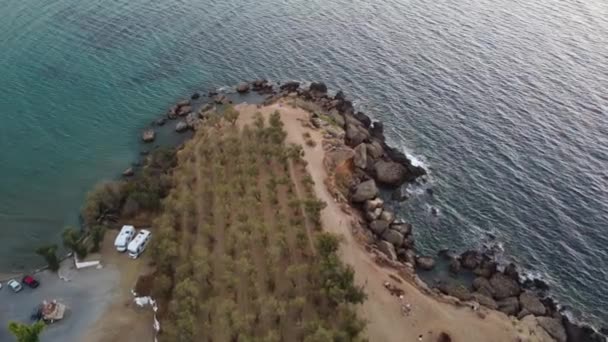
<point x="123" y="320"/>
<point x="429" y="317"/>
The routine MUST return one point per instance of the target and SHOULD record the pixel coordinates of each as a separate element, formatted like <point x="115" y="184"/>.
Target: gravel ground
<point x="86" y="295"/>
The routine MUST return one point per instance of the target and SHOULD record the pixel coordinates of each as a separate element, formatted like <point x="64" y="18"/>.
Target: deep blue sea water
<point x="505" y="101"/>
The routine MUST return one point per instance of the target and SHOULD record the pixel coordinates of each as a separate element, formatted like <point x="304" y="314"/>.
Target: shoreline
<point x="391" y="169"/>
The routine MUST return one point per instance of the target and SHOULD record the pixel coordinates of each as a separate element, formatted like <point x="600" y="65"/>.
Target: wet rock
<point x="455" y="290"/>
<point x="318" y="88"/>
<point x="339" y="96"/>
<point x="403" y="228"/>
<point x="470" y="259"/>
<point x="511" y="272"/>
<point x="378" y="226"/>
<point x="360" y="156"/>
<point x="212" y="93"/>
<point x="373" y="204"/>
<point x="454" y="266"/>
<point x="148" y="135"/>
<point x="128" y="172"/>
<point x="389" y="172"/>
<point x="410" y="257"/>
<point x="160" y="122"/>
<point x="509" y="305"/>
<point x="195" y="96"/>
<point x="377" y="130"/>
<point x="221" y="99"/>
<point x="290" y="86"/>
<point x="365" y="191"/>
<point x="400" y="194"/>
<point x="388" y="249"/>
<point x="484" y="300"/>
<point x="447" y="254"/>
<point x="553" y="327"/>
<point x="504" y="286"/>
<point x="363" y="119"/>
<point x="242" y="87"/>
<point x="537" y="284"/>
<point x="576" y="332"/>
<point x="393" y="237"/>
<point x="409" y="242"/>
<point x="532" y="304"/>
<point x="396" y="155"/>
<point x="192" y="121"/>
<point x="181" y="126"/>
<point x="425" y="262"/>
<point x="387" y="216"/>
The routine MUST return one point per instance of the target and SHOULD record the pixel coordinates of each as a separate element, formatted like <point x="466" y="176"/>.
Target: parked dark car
<point x="30" y="281"/>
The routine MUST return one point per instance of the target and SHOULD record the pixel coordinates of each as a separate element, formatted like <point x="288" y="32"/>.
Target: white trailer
<point x="124" y="238"/>
<point x="139" y="243"/>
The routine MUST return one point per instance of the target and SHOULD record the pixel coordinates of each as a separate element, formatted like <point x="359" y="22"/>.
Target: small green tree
<point x="72" y="241"/>
<point x="49" y="253"/>
<point x="26" y="333"/>
<point x="97" y="233"/>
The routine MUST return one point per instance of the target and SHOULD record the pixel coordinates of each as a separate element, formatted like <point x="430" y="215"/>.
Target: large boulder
<point x="360" y="156"/>
<point x="409" y="242"/>
<point x="482" y="285"/>
<point x="532" y="304"/>
<point x="389" y="172"/>
<point x="580" y="332"/>
<point x="484" y="300"/>
<point x="363" y="119"/>
<point x="470" y="259"/>
<point x="128" y="172"/>
<point x="396" y="155"/>
<point x="148" y="135"/>
<point x="181" y="126"/>
<point x="402" y="227"/>
<point x="365" y="191"/>
<point x="554" y="327"/>
<point x="242" y="87"/>
<point x="509" y="305"/>
<point x="400" y="194"/>
<point x="290" y="86"/>
<point x="378" y="226"/>
<point x="355" y="134"/>
<point x="374" y="150"/>
<point x="192" y="120"/>
<point x="338" y="156"/>
<point x="388" y="216"/>
<point x="504" y="286"/>
<point x="195" y="96"/>
<point x="377" y="130"/>
<point x="388" y="249"/>
<point x="511" y="271"/>
<point x="425" y="262"/>
<point x="373" y="214"/>
<point x="393" y="237"/>
<point x="454" y="266"/>
<point x="373" y="204"/>
<point x="318" y="88"/>
<point x="184" y="110"/>
<point x="485" y="269"/>
<point x="455" y="290"/>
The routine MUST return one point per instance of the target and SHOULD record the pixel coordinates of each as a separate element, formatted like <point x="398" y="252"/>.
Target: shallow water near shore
<point x="504" y="102"/>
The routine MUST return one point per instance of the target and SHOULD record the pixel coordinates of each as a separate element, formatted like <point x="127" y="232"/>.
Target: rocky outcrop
<point x="378" y="227"/>
<point x="373" y="204"/>
<point x="581" y="332"/>
<point x="482" y="285"/>
<point x="242" y="87"/>
<point x="508" y="305"/>
<point x="360" y="158"/>
<point x="389" y="172"/>
<point x="484" y="300"/>
<point x="148" y="135"/>
<point x="365" y="191"/>
<point x="318" y="89"/>
<point x="393" y="236"/>
<point x="486" y="268"/>
<point x="387" y="216"/>
<point x="454" y="266"/>
<point x="290" y="87"/>
<point x="402" y="227"/>
<point x="425" y="263"/>
<point x="531" y="304"/>
<point x="504" y="286"/>
<point x="388" y="249"/>
<point x="181" y="126"/>
<point x="355" y="134"/>
<point x="554" y="327"/>
<point x="455" y="290"/>
<point x="470" y="259"/>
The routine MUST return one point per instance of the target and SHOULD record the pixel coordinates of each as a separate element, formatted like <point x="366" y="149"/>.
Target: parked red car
<point x="30" y="281"/>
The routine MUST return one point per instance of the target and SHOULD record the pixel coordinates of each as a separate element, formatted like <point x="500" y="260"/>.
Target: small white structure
<point x="124" y="238"/>
<point x="139" y="243"/>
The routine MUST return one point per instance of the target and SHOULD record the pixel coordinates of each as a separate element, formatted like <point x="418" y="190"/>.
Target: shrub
<point x="104" y="200"/>
<point x="26" y="333"/>
<point x="49" y="253"/>
<point x="72" y="240"/>
<point x="231" y="115"/>
<point x="97" y="234"/>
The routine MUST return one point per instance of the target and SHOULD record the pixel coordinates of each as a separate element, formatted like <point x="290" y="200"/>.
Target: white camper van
<point x="124" y="237"/>
<point x="139" y="243"/>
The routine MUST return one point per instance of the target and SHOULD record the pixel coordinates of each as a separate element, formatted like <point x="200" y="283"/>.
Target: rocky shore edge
<point x="366" y="163"/>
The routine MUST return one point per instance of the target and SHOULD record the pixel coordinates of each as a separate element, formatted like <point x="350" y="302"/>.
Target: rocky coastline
<point x="366" y="163"/>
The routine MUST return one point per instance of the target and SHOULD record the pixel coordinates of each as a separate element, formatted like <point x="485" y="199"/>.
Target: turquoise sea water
<point x="504" y="101"/>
